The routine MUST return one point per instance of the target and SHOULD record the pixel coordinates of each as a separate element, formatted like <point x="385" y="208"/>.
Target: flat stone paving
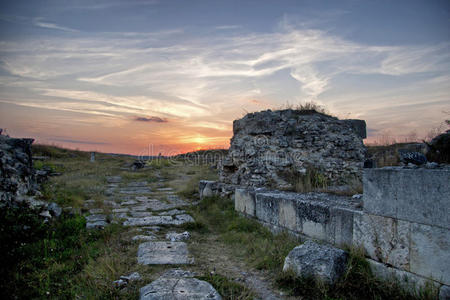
<point x="163" y="253"/>
<point x="180" y="285"/>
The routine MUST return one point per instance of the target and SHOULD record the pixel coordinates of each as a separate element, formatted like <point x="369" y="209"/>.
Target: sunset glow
<point x="126" y="76"/>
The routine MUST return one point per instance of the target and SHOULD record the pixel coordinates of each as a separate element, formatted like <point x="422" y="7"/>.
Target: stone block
<point x="384" y="239"/>
<point x="244" y="201"/>
<point x="320" y="261"/>
<point x="415" y="195"/>
<point x="430" y="252"/>
<point x="267" y="208"/>
<point x="409" y="281"/>
<point x="207" y="188"/>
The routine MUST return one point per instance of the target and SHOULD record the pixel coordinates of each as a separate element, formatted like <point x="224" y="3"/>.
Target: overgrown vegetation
<point x="228" y="289"/>
<point x="248" y="239"/>
<point x="309" y="181"/>
<point x="44" y="260"/>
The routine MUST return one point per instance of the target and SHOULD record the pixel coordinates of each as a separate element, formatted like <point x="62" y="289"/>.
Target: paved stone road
<point x="136" y="205"/>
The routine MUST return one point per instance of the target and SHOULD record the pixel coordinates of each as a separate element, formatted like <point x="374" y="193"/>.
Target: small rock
<point x="132" y="277"/>
<point x="175" y="237"/>
<point x="113" y="179"/>
<point x="431" y="165"/>
<point x="444" y="292"/>
<point x="95" y="211"/>
<point x="357" y="196"/>
<point x="120" y="283"/>
<point x="55" y="209"/>
<point x="143" y="238"/>
<point x="45" y="214"/>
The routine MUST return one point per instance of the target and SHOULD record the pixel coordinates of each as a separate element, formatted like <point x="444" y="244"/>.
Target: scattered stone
<point x="167" y="189"/>
<point x="176" y="237"/>
<point x="132" y="277"/>
<point x="137" y="184"/>
<point x="141" y="214"/>
<point x="143" y="238"/>
<point x="172" y="212"/>
<point x="120" y="210"/>
<point x="179" y="285"/>
<point x="89" y="202"/>
<point x="97" y="221"/>
<point x="152" y="228"/>
<point x="141" y="198"/>
<point x="111" y="203"/>
<point x="129" y="202"/>
<point x="357" y="196"/>
<point x="55" y="209"/>
<point x="45" y="214"/>
<point x="431" y="165"/>
<point x="152" y="220"/>
<point x="323" y="262"/>
<point x="120" y="283"/>
<point x="95" y="211"/>
<point x="113" y="179"/>
<point x="135" y="190"/>
<point x="415" y="158"/>
<point x="163" y="253"/>
<point x="181" y="219"/>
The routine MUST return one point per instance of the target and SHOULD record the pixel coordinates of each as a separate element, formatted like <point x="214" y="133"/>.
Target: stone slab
<point x="416" y="195"/>
<point x="430" y="252"/>
<point x="180" y="285"/>
<point x="163" y="253"/>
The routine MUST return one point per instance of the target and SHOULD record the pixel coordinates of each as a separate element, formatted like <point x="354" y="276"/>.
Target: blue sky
<point x="118" y="76"/>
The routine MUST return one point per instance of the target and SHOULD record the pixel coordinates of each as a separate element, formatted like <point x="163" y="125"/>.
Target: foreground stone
<point x="96" y="221"/>
<point x="163" y="253"/>
<point x="174" y="237"/>
<point x="178" y="284"/>
<point x="320" y="261"/>
<point x="158" y="220"/>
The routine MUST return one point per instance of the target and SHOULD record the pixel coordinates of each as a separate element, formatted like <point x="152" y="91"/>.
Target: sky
<point x="149" y="76"/>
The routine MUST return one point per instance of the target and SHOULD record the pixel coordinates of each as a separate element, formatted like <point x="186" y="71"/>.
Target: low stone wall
<point x="402" y="220"/>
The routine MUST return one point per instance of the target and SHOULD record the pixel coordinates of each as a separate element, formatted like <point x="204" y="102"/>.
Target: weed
<point x="228" y="289"/>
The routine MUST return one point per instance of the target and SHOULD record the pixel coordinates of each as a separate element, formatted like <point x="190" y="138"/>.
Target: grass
<point x="227" y="288"/>
<point x="45" y="260"/>
<point x="248" y="239"/>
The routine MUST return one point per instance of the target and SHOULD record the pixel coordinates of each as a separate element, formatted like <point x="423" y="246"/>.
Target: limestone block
<point x="384" y="239"/>
<point x="416" y="195"/>
<point x="430" y="252"/>
<point x="244" y="201"/>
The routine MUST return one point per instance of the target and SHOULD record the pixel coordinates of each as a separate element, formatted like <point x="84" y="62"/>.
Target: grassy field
<point x="62" y="260"/>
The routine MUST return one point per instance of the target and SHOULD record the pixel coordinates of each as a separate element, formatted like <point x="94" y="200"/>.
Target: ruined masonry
<point x="271" y="148"/>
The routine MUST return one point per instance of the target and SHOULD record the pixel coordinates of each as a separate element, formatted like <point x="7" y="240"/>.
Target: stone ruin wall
<point x="17" y="180"/>
<point x="272" y="148"/>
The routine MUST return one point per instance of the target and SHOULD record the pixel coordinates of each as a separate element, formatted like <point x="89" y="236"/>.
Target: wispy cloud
<point x="151" y="119"/>
<point x="40" y="23"/>
<point x="201" y="81"/>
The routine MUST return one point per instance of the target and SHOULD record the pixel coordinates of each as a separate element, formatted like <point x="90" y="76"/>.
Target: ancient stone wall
<point x="402" y="220"/>
<point x="16" y="170"/>
<point x="276" y="148"/>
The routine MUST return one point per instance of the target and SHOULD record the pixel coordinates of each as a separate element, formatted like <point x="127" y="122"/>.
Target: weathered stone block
<point x="415" y="195"/>
<point x="430" y="252"/>
<point x="244" y="201"/>
<point x="207" y="188"/>
<point x="407" y="280"/>
<point x="384" y="239"/>
<point x="320" y="261"/>
<point x="267" y="208"/>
